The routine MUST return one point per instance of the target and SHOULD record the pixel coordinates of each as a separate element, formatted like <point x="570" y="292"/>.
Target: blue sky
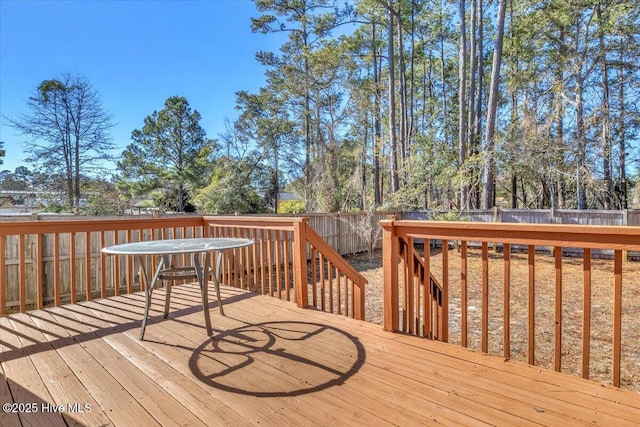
<point x="135" y="53"/>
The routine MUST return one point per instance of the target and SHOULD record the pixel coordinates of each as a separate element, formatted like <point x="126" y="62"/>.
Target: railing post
<point x="358" y="302"/>
<point x="300" y="262"/>
<point x="390" y="249"/>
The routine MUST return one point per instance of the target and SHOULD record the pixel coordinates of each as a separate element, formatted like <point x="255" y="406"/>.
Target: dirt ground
<point x="572" y="297"/>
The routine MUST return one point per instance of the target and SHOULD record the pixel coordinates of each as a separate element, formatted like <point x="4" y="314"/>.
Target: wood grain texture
<point x="272" y="363"/>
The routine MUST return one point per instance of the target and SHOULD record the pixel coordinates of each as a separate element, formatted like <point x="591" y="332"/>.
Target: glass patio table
<point x="198" y="248"/>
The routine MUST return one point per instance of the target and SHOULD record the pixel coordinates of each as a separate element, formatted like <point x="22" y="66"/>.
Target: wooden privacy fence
<point x="539" y="216"/>
<point x="408" y="296"/>
<point x="350" y="232"/>
<point x="55" y="262"/>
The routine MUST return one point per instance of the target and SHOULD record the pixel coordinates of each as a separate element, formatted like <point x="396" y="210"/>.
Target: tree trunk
<point x="462" y="87"/>
<point x="402" y="79"/>
<point x="392" y="104"/>
<point x="622" y="131"/>
<point x="445" y="112"/>
<point x="488" y="191"/>
<point x="581" y="143"/>
<point x="480" y="89"/>
<point x="559" y="115"/>
<point x="606" y="134"/>
<point x="309" y="196"/>
<point x="377" y="123"/>
<point x="473" y="63"/>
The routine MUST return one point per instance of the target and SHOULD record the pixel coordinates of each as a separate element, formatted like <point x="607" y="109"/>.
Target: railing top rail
<point x="280" y="223"/>
<point x="65" y="226"/>
<point x="562" y="235"/>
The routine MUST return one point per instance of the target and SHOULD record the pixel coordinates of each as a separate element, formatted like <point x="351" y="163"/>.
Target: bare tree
<point x="69" y="130"/>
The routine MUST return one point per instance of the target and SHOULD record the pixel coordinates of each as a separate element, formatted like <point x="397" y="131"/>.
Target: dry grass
<point x="572" y="296"/>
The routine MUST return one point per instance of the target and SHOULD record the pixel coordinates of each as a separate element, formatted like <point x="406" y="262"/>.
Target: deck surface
<point x="269" y="364"/>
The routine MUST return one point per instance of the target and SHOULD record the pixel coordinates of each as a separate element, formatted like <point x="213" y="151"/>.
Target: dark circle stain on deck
<point x="274" y="359"/>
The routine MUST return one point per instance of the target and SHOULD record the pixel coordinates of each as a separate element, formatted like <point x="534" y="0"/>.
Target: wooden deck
<point x="271" y="364"/>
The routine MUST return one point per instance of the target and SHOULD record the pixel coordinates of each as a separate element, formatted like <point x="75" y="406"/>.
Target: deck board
<point x="271" y="363"/>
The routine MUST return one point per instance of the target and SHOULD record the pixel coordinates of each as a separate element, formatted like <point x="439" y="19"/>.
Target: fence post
<point x="300" y="262"/>
<point x="390" y="249"/>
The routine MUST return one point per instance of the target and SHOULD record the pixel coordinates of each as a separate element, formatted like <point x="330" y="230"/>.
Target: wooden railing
<point x="55" y="262"/>
<point x="290" y="261"/>
<point x="431" y="324"/>
<point x="405" y="305"/>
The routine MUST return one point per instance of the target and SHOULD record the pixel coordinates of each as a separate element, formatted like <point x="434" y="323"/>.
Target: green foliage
<point x="102" y="198"/>
<point x="448" y="216"/>
<point x="170" y="153"/>
<point x="291" y="207"/>
<point x="229" y="191"/>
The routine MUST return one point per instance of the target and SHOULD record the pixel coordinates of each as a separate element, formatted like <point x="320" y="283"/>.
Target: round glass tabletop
<point x="177" y="246"/>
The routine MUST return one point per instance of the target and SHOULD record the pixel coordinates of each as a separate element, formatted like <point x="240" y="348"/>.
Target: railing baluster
<point x="586" y="312"/>
<point x="617" y="316"/>
<point x="247" y="256"/>
<point x="531" y="342"/>
<point x="278" y="248"/>
<point x="287" y="271"/>
<point x="410" y="283"/>
<point x="346" y="295"/>
<point x="331" y="296"/>
<point x="39" y="272"/>
<point x="314" y="278"/>
<point x="22" y="274"/>
<point x="427" y="298"/>
<point x="249" y="266"/>
<point x="116" y="267"/>
<point x="444" y="321"/>
<point x="56" y="269"/>
<point x="72" y="266"/>
<point x="238" y="280"/>
<point x="352" y="302"/>
<point x="270" y="261"/>
<point x="130" y="263"/>
<point x="339" y="291"/>
<point x="464" y="293"/>
<point x="103" y="264"/>
<point x="557" y="360"/>
<point x="506" y="301"/>
<point x="405" y="287"/>
<point x="485" y="297"/>
<point x="322" y="284"/>
<point x="87" y="258"/>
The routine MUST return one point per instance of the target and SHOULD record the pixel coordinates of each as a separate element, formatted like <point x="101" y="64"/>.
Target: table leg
<point x="202" y="272"/>
<point x="148" y="292"/>
<point x="168" y="285"/>
<point x="216" y="274"/>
